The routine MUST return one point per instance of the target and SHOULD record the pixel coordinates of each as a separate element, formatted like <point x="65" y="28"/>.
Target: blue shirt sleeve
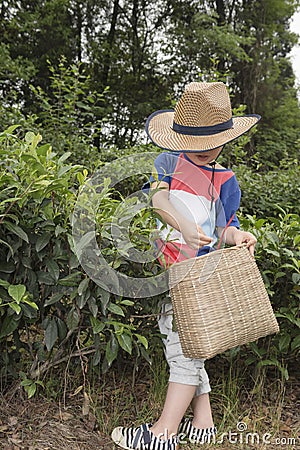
<point x="164" y="166"/>
<point x="228" y="204"/>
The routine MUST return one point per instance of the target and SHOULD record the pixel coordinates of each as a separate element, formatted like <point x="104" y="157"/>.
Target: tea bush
<point x="263" y="192"/>
<point x="278" y="257"/>
<point x="49" y="309"/>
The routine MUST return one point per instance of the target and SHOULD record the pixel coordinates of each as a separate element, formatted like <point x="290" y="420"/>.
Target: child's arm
<point x="192" y="233"/>
<point x="234" y="236"/>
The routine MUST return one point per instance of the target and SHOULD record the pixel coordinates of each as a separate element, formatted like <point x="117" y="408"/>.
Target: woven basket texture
<point x="220" y="302"/>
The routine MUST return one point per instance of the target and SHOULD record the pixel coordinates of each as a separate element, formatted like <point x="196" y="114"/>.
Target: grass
<point x="125" y="397"/>
<point x="240" y="398"/>
<point x="259" y="400"/>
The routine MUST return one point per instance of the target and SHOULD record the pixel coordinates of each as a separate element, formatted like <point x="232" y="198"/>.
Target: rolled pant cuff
<point x="205" y="389"/>
<point x="191" y="381"/>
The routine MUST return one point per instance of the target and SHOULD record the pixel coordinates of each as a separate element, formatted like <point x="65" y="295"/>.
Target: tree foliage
<point x="144" y="53"/>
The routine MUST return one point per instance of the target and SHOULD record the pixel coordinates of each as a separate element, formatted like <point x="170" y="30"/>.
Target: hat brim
<point x="160" y="131"/>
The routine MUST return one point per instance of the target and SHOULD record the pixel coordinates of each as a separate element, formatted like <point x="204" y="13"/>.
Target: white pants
<point x="182" y="370"/>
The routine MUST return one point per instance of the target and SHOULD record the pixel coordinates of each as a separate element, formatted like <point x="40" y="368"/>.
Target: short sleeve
<point x="229" y="202"/>
<point x="164" y="166"/>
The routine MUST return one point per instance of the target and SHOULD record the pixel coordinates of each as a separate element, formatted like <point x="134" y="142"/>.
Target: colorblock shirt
<point x="204" y="195"/>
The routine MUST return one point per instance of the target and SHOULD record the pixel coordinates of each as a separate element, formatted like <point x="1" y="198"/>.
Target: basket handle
<point x="223" y="232"/>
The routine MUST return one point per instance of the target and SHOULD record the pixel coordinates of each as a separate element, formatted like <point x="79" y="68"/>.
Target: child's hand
<point x="244" y="237"/>
<point x="193" y="235"/>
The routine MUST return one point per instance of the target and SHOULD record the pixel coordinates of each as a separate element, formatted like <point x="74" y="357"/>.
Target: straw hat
<point x="202" y="120"/>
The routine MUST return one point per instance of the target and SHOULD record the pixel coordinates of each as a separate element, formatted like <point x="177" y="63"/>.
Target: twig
<point x="151" y="315"/>
<point x="38" y="372"/>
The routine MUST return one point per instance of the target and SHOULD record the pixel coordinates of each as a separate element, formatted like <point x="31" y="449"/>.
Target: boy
<point x="197" y="198"/>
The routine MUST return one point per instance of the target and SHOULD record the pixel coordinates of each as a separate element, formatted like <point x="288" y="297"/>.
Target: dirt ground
<point x="39" y="424"/>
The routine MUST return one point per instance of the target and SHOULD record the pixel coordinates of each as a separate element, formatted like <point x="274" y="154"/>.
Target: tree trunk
<point x="78" y="31"/>
<point x="221" y="21"/>
<point x="109" y="43"/>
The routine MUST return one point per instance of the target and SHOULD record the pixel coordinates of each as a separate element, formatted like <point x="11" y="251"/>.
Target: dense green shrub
<point x="49" y="308"/>
<point x="51" y="311"/>
<point x="278" y="257"/>
<point x="263" y="193"/>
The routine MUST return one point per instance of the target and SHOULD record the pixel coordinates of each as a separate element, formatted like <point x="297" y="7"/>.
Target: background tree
<point x="145" y="53"/>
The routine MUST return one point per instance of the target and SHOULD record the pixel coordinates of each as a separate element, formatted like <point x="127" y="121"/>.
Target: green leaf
<point x="45" y="278"/>
<point x="146" y="356"/>
<point x="288" y="266"/>
<point x="26" y="261"/>
<point x="73" y="262"/>
<point x="4" y="283"/>
<point x="259" y="223"/>
<point x="97" y="325"/>
<point x="268" y="362"/>
<point x="17" y="230"/>
<point x="111" y="351"/>
<point x="125" y="342"/>
<point x="297" y="240"/>
<point x="31" y="390"/>
<point x="127" y="302"/>
<point x="104" y="299"/>
<point x="8" y="326"/>
<point x="72" y="319"/>
<point x="296" y="278"/>
<point x="112" y="307"/>
<point x="279" y="275"/>
<point x="51" y="334"/>
<point x="53" y="269"/>
<point x="7" y="245"/>
<point x="258" y="351"/>
<point x="64" y="157"/>
<point x="11" y="129"/>
<point x="250" y="360"/>
<point x="7" y="267"/>
<point x="28" y="311"/>
<point x="70" y="280"/>
<point x="84" y="241"/>
<point x="284" y="372"/>
<point x="62" y="329"/>
<point x="42" y="241"/>
<point x="83" y="286"/>
<point x="59" y="230"/>
<point x="63" y="170"/>
<point x="93" y="306"/>
<point x="30" y="303"/>
<point x="142" y="340"/>
<point x="295" y="345"/>
<point x="15" y="307"/>
<point x="97" y="357"/>
<point x="284" y="343"/>
<point x="81" y="300"/>
<point x="272" y="252"/>
<point x="26" y="382"/>
<point x="43" y="150"/>
<point x="17" y="291"/>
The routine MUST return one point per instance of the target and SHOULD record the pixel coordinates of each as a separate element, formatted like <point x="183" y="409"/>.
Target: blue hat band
<point x="203" y="131"/>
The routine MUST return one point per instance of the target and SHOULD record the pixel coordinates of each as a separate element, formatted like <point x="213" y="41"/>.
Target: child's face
<point x="205" y="157"/>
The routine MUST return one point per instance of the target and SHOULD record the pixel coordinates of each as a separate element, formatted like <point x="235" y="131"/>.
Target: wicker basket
<point x="219" y="302"/>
